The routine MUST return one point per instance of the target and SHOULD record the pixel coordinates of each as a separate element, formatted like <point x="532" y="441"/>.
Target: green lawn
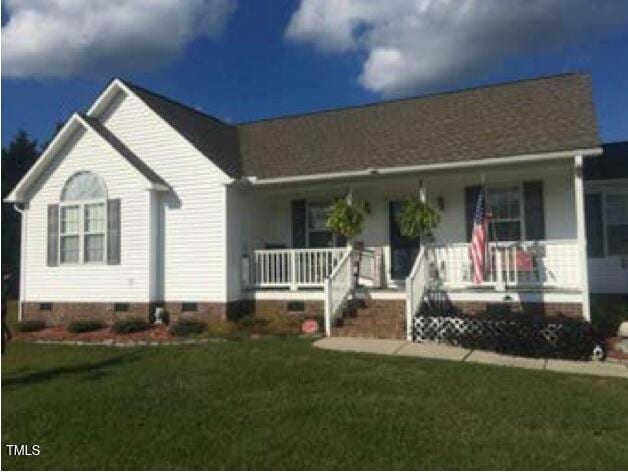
<point x="279" y="403"/>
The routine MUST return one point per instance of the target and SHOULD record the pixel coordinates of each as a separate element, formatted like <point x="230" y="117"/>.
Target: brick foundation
<point x="62" y="313"/>
<point x="572" y="310"/>
<point x="309" y="308"/>
<point x="377" y="315"/>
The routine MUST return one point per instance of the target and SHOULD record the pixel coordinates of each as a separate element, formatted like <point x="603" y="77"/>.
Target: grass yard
<point x="279" y="403"/>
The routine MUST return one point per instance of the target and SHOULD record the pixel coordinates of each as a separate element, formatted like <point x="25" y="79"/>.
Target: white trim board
<point x="372" y="171"/>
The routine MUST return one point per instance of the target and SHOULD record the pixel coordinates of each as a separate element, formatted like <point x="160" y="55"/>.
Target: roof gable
<point x="75" y="122"/>
<point x="216" y="140"/>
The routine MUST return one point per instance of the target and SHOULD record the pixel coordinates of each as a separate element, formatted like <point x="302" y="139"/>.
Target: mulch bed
<point x="59" y="333"/>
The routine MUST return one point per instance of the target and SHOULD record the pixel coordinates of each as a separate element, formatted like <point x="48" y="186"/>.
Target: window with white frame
<point x="617" y="224"/>
<point x="504" y="209"/>
<point x="82" y="228"/>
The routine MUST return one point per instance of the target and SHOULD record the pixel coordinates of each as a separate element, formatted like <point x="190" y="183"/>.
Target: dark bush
<point x="30" y="326"/>
<point x="274" y="325"/>
<point x="129" y="325"/>
<point x="253" y="324"/>
<point x="608" y="311"/>
<point x="187" y="327"/>
<point x="85" y="326"/>
<point x="515" y="334"/>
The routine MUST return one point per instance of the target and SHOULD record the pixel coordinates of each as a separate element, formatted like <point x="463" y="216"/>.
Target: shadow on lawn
<point x="93" y="371"/>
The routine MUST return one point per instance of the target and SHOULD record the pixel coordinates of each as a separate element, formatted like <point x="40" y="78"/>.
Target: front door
<point x="403" y="250"/>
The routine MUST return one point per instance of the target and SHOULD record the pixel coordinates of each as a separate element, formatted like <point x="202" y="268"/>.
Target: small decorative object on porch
<point x="159" y="315"/>
<point x="310" y="327"/>
<point x="345" y="219"/>
<point x="524" y="261"/>
<point x="418" y="219"/>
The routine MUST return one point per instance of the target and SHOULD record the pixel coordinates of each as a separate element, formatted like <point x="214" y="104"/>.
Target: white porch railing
<point x="538" y="264"/>
<point x="337" y="289"/>
<point x="416" y="284"/>
<point x="293" y="268"/>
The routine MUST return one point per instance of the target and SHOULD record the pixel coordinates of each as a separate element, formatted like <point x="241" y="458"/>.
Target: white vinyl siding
<point x="191" y="217"/>
<point x="87" y="282"/>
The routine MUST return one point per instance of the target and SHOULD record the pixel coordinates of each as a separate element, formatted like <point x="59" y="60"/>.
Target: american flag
<point x="479" y="240"/>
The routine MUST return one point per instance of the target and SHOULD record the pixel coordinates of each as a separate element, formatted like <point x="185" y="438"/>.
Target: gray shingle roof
<point x="526" y="117"/>
<point x="534" y="116"/>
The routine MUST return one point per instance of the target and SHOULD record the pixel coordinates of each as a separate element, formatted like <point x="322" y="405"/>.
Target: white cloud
<point x="409" y="44"/>
<point x="84" y="37"/>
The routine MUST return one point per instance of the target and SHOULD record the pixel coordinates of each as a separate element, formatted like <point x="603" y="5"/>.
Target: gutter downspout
<point x="22" y="259"/>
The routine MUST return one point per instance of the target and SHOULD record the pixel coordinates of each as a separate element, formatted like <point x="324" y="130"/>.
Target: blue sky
<point x="258" y="59"/>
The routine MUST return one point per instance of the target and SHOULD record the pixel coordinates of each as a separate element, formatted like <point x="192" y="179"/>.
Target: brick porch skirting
<point x="572" y="310"/>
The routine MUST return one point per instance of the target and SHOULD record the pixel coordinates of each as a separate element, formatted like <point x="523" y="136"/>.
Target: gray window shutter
<point x="113" y="231"/>
<point x="595" y="230"/>
<point x="471" y="194"/>
<point x="53" y="235"/>
<point x="298" y="224"/>
<point x="533" y="210"/>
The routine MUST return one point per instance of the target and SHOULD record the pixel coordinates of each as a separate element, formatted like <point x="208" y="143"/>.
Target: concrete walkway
<point x="441" y="351"/>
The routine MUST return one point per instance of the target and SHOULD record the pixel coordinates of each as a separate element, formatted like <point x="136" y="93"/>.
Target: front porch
<point x="534" y="257"/>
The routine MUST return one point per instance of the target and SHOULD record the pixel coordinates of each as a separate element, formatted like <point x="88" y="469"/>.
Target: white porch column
<point x="582" y="236"/>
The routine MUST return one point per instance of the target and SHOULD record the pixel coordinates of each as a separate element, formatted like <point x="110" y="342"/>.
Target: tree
<point x="17" y="159"/>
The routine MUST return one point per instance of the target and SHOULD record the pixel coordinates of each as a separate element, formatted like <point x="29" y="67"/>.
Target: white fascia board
<point x="17" y="194"/>
<point x="524" y="158"/>
<point x="105" y="95"/>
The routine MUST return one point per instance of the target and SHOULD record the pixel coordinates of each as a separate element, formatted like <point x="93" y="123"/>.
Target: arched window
<point x="83" y="186"/>
<point x="82" y="220"/>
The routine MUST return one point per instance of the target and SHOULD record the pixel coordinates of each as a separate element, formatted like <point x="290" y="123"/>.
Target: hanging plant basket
<point x="418" y="219"/>
<point x="345" y="219"/>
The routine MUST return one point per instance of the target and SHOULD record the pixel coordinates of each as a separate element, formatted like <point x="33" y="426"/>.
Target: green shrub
<point x="187" y="327"/>
<point x="30" y="326"/>
<point x="223" y="329"/>
<point x="129" y="325"/>
<point x="276" y="325"/>
<point x="85" y="326"/>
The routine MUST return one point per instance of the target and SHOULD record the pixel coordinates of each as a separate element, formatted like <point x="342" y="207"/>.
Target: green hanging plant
<point x="417" y="219"/>
<point x="345" y="219"/>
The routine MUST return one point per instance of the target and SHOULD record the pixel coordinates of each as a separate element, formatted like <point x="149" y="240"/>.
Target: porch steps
<point x="366" y="318"/>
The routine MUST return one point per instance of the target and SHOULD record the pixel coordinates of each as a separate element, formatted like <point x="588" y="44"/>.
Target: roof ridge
<point x="174" y="102"/>
<point x="414" y="97"/>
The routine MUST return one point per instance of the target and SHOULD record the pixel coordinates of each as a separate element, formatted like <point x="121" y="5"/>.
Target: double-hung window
<point x="94" y="232"/>
<point x="504" y="209"/>
<point x="318" y="233"/>
<point x="82" y="220"/>
<point x="69" y="234"/>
